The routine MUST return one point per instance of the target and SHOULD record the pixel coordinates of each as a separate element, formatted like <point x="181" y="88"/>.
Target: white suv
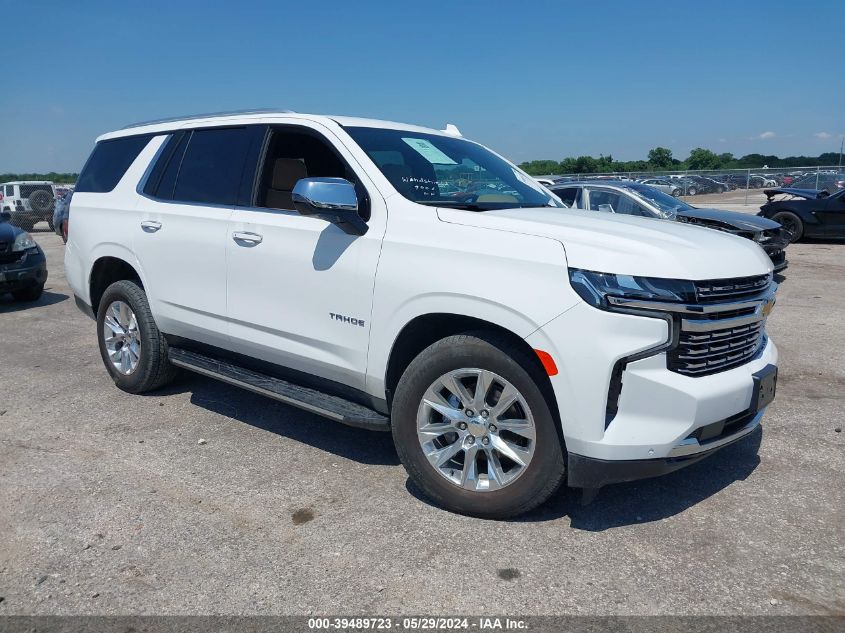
<point x="28" y="202"/>
<point x="509" y="343"/>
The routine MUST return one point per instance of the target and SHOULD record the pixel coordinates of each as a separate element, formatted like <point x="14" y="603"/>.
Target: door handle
<point x="250" y="239"/>
<point x="150" y="226"/>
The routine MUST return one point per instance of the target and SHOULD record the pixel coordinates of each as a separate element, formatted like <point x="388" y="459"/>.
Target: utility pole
<point x="841" y="145"/>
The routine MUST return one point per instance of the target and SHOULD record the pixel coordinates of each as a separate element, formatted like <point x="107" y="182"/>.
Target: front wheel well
<point x="427" y="329"/>
<point x="104" y="273"/>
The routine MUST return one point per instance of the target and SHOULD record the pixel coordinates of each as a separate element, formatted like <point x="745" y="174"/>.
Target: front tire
<point x="133" y="349"/>
<point x="473" y="428"/>
<point x="791" y="223"/>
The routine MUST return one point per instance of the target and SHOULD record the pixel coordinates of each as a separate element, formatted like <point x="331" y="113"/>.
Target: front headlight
<point x="600" y="289"/>
<point x="23" y="242"/>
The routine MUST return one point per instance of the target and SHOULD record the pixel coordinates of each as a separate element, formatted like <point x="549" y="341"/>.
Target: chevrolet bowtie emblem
<point x="768" y="306"/>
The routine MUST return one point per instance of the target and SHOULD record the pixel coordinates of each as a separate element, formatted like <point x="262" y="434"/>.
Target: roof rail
<point x="189" y="117"/>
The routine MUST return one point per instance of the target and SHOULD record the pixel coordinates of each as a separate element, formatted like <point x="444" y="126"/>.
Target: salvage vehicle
<point x="29" y="202"/>
<point x="509" y="344"/>
<point x="806" y="212"/>
<point x="23" y="267"/>
<point x="638" y="199"/>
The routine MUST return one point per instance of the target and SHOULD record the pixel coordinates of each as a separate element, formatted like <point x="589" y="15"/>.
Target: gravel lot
<point x="109" y="503"/>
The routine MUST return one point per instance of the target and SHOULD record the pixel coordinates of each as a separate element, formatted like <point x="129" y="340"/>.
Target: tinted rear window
<point x="211" y="168"/>
<point x="108" y="162"/>
<point x="162" y="178"/>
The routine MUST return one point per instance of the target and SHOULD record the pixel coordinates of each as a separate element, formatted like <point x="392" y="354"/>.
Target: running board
<point x="329" y="406"/>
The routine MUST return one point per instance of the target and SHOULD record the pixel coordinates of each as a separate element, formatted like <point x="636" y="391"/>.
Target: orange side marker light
<point x="547" y="361"/>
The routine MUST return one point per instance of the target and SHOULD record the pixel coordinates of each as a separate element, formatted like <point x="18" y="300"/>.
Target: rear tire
<point x="153" y="368"/>
<point x="692" y="191"/>
<point x="790" y="222"/>
<point x="523" y="487"/>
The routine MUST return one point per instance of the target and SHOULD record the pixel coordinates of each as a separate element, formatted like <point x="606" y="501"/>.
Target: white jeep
<point x="29" y="202"/>
<point x="406" y="279"/>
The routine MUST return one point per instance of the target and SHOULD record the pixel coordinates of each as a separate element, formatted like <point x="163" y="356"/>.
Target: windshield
<point x="449" y="172"/>
<point x="665" y="203"/>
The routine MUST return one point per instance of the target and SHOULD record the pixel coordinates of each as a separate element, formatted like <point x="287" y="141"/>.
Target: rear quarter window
<point x="109" y="162"/>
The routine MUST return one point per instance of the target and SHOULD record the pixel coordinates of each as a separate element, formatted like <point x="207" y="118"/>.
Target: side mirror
<point x="5" y="216"/>
<point x="331" y="199"/>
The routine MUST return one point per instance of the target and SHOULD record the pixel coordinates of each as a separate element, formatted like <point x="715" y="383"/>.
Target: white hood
<point x="628" y="245"/>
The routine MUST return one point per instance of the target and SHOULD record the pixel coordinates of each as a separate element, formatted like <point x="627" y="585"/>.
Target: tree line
<point x="63" y="178"/>
<point x="661" y="159"/>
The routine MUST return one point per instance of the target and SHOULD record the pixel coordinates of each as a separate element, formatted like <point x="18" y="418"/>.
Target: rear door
<point x="184" y="213"/>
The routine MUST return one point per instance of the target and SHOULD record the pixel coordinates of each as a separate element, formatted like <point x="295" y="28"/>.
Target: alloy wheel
<point x="122" y="337"/>
<point x="476" y="429"/>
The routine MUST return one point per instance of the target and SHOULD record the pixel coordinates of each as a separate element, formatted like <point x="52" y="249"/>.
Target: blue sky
<point x="531" y="79"/>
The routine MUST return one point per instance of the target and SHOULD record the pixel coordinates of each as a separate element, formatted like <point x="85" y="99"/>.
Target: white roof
<point x="252" y="116"/>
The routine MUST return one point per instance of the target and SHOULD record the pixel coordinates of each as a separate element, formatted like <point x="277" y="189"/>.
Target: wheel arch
<point x="106" y="270"/>
<point x="426" y="329"/>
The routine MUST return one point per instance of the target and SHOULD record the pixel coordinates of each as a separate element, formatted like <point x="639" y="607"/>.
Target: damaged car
<point x="809" y="213"/>
<point x="633" y="198"/>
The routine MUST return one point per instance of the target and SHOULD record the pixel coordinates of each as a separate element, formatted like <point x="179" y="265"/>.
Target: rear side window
<point x="109" y="162"/>
<point x="211" y="168"/>
<point x="162" y="179"/>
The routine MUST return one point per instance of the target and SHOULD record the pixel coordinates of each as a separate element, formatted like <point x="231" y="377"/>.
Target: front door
<point x="300" y="289"/>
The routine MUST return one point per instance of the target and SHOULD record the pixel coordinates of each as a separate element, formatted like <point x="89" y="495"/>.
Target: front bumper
<point x="659" y="412"/>
<point x="27" y="272"/>
<point x="589" y="472"/>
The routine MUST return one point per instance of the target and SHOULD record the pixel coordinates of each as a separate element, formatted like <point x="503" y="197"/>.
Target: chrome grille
<point x="700" y="353"/>
<point x="730" y="289"/>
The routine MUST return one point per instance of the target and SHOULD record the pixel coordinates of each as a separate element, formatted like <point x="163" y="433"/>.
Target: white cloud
<point x="822" y="135"/>
<point x="766" y="135"/>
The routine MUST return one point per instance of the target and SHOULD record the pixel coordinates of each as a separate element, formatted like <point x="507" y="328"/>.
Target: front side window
<point x="109" y="162"/>
<point x="211" y="168"/>
<point x="448" y="172"/>
<point x="296" y="153"/>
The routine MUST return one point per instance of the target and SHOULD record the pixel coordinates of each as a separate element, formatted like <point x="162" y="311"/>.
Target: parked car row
<point x="694" y="184"/>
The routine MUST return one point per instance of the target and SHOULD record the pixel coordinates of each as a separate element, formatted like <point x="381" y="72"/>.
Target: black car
<point x="23" y="267"/>
<point x="633" y="198"/>
<point x="806" y="212"/>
